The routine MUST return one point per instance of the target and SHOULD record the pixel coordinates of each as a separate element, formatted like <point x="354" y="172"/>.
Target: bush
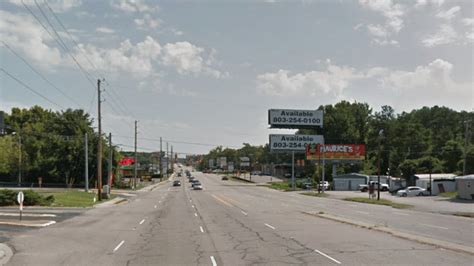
<point x="8" y="198"/>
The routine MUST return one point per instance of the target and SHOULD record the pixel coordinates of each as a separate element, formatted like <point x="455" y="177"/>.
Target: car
<point x="179" y="174"/>
<point x="412" y="191"/>
<point x="196" y="184"/>
<point x="176" y="183"/>
<point x="191" y="178"/>
<point x="365" y="187"/>
<point x="225" y="178"/>
<point x="307" y="185"/>
<point x="197" y="187"/>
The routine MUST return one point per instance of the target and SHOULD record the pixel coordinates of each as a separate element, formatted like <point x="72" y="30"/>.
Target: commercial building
<point x="465" y="187"/>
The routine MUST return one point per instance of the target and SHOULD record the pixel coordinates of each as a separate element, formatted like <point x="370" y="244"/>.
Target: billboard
<point x="351" y="152"/>
<point x="289" y="118"/>
<point x="211" y="163"/>
<point x="298" y="143"/>
<point x="230" y="166"/>
<point x="222" y="162"/>
<point x="244" y="161"/>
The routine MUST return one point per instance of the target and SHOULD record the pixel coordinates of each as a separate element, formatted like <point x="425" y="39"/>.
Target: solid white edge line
<point x="435" y="226"/>
<point x="202" y="230"/>
<point x="244" y="213"/>
<point x="48" y="223"/>
<point x="327" y="256"/>
<point x="119" y="245"/>
<point x="214" y="263"/>
<point x="142" y="221"/>
<point x="27" y="214"/>
<point x="272" y="227"/>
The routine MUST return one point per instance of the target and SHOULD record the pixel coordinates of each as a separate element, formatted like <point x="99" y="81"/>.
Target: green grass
<point x="451" y="195"/>
<point x="73" y="198"/>
<point x="315" y="194"/>
<point x="284" y="186"/>
<point x="380" y="202"/>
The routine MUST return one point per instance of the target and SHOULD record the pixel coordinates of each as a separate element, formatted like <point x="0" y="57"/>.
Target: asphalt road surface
<point x="232" y="223"/>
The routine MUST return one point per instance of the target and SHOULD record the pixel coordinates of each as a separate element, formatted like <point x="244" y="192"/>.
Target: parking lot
<point x="435" y="204"/>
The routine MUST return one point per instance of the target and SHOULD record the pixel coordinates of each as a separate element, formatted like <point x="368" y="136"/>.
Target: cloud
<point x="393" y="14"/>
<point x="468" y="21"/>
<point x="449" y="14"/>
<point x="186" y="59"/>
<point x="377" y="30"/>
<point x="445" y="35"/>
<point x="147" y="23"/>
<point x="57" y="5"/>
<point x="105" y="30"/>
<point x="333" y="80"/>
<point x="423" y="3"/>
<point x="23" y="34"/>
<point x="132" y="6"/>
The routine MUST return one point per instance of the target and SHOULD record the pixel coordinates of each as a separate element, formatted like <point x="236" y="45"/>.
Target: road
<point x="231" y="223"/>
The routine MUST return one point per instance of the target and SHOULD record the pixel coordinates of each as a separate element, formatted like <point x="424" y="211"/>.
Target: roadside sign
<point x="341" y="152"/>
<point x="289" y="118"/>
<point x="20" y="197"/>
<point x="297" y="143"/>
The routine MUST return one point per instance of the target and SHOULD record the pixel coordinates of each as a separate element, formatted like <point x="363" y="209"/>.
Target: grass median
<point x="315" y="194"/>
<point x="384" y="202"/>
<point x="73" y="198"/>
<point x="282" y="186"/>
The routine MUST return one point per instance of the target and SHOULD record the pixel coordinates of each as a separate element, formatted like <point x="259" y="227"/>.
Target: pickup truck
<point x="365" y="187"/>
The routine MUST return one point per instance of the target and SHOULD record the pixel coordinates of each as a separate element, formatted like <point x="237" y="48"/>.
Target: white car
<point x="412" y="191"/>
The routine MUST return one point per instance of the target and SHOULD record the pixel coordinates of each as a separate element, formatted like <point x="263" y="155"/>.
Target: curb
<point x="5" y="253"/>
<point x="109" y="202"/>
<point x="28" y="225"/>
<point x="399" y="234"/>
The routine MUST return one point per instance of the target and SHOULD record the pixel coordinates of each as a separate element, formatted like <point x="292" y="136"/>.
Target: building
<point x="440" y="183"/>
<point x="465" y="187"/>
<point x="349" y="181"/>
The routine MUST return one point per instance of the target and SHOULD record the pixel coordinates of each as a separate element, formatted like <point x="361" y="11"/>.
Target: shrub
<point x="8" y="198"/>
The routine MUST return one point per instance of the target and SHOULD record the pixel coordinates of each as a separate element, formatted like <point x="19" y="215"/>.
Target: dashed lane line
<point x="244" y="213"/>
<point x="270" y="226"/>
<point x="142" y="221"/>
<point x="327" y="256"/>
<point x="214" y="263"/>
<point x="195" y="214"/>
<point x="202" y="230"/>
<point x="119" y="245"/>
<point x="435" y="226"/>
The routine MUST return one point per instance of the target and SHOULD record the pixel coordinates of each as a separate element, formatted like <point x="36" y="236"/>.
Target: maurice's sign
<point x="336" y="152"/>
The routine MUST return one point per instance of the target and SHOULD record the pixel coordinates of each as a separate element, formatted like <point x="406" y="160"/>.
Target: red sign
<point x="126" y="161"/>
<point x="336" y="152"/>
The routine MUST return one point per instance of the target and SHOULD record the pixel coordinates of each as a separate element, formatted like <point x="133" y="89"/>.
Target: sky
<point x="204" y="73"/>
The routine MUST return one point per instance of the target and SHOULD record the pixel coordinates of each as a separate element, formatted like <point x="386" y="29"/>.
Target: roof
<point x="352" y="175"/>
<point x="465" y="177"/>
<point x="435" y="176"/>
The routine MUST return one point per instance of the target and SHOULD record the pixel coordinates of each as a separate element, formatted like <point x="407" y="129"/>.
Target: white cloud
<point x="105" y="30"/>
<point x="449" y="14"/>
<point x="332" y="81"/>
<point x="187" y="59"/>
<point x="468" y="21"/>
<point x="23" y="34"/>
<point x="445" y="35"/>
<point x="57" y="5"/>
<point x="422" y="3"/>
<point x="377" y="30"/>
<point x="391" y="11"/>
<point x="131" y="6"/>
<point x="147" y="23"/>
<point x="358" y="26"/>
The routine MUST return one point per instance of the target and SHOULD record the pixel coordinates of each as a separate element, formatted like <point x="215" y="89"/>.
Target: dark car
<point x="176" y="183"/>
<point x="191" y="178"/>
<point x="194" y="182"/>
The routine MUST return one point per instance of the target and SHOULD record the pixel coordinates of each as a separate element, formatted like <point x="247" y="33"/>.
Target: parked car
<point x="323" y="185"/>
<point x="412" y="191"/>
<point x="307" y="185"/>
<point x="365" y="187"/>
<point x="176" y="183"/>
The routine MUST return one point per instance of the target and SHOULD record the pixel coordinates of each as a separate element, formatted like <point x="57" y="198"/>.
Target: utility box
<point x="106" y="192"/>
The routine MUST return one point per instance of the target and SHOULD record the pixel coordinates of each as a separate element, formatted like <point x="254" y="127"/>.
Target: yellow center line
<point x="222" y="201"/>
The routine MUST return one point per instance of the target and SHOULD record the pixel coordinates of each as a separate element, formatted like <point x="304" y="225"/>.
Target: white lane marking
<point x="155" y="206"/>
<point x="434" y="226"/>
<point x="195" y="214"/>
<point x="362" y="212"/>
<point x="119" y="245"/>
<point x="270" y="226"/>
<point x="244" y="213"/>
<point x="202" y="230"/>
<point x="142" y="221"/>
<point x="327" y="256"/>
<point x="48" y="223"/>
<point x="214" y="263"/>
<point x="192" y="206"/>
<point x="400" y="213"/>
<point x="27" y="214"/>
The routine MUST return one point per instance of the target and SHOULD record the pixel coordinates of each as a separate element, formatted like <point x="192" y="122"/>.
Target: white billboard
<point x="230" y="167"/>
<point x="289" y="118"/>
<point x="222" y="162"/>
<point x="286" y="142"/>
<point x="211" y="163"/>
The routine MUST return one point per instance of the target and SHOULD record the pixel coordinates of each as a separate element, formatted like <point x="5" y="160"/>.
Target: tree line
<point x="423" y="140"/>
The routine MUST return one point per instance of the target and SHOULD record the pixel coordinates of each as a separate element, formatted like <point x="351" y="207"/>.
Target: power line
<point x="39" y="74"/>
<point x="181" y="142"/>
<point x="31" y="89"/>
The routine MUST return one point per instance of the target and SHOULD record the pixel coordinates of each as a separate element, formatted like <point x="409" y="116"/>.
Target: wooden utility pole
<point x="136" y="158"/>
<point x="161" y="159"/>
<point x="99" y="147"/>
<point x="86" y="166"/>
<point x="111" y="153"/>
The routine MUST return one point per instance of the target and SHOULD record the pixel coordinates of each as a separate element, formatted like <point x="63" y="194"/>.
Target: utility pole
<point x="109" y="181"/>
<point x="19" y="159"/>
<point x="172" y="158"/>
<point x="378" y="164"/>
<point x="99" y="148"/>
<point x="167" y="159"/>
<point x="467" y="135"/>
<point x="161" y="159"/>
<point x="86" y="159"/>
<point x="136" y="159"/>
<point x="293" y="170"/>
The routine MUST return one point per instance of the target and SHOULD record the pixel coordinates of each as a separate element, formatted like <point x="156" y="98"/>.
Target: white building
<point x="349" y="181"/>
<point x="465" y="186"/>
<point x="439" y="182"/>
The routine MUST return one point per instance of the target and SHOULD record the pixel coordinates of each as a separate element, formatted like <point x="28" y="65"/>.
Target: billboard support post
<point x="324" y="164"/>
<point x="293" y="170"/>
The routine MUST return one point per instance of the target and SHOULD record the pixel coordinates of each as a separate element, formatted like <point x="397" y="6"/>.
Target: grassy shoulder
<point x="451" y="195"/>
<point x="380" y="202"/>
<point x="73" y="198"/>
<point x="282" y="186"/>
<point x="315" y="194"/>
